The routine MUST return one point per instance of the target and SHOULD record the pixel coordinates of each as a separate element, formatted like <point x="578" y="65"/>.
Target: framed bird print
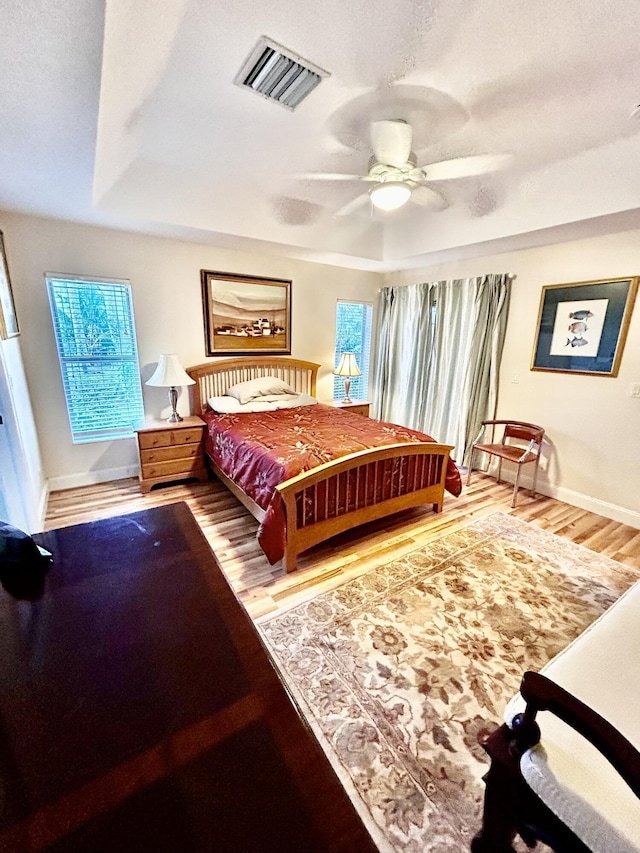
<point x="582" y="327"/>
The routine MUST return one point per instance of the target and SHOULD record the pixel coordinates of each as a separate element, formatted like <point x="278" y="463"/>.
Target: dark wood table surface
<point x="139" y="710"/>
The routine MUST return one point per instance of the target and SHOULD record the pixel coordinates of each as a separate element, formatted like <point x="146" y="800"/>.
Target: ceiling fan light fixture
<point x="390" y="195"/>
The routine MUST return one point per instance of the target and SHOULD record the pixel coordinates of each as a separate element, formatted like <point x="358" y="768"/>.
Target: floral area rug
<point x="403" y="672"/>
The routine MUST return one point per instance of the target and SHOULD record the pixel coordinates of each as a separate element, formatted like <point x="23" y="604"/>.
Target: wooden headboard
<point x="213" y="378"/>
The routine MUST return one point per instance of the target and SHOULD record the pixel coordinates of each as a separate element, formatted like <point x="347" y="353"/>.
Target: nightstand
<point x="360" y="407"/>
<point x="170" y="451"/>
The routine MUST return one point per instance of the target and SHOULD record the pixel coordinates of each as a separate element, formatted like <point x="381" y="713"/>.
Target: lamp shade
<point x="390" y="195"/>
<point x="348" y="365"/>
<point x="169" y="373"/>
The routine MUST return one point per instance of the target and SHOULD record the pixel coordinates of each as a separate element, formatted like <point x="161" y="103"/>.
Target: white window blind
<point x="95" y="334"/>
<point x="353" y="334"/>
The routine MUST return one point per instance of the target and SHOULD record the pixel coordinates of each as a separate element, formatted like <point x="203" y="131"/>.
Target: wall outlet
<point x="515" y="378"/>
<point x="634" y="389"/>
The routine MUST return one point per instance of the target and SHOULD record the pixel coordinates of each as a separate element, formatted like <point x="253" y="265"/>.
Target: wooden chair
<point x="517" y="453"/>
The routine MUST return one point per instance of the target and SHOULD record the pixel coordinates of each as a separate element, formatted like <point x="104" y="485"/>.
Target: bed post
<point x="290" y="563"/>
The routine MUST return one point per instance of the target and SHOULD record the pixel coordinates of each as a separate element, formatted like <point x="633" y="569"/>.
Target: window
<point x="353" y="334"/>
<point x="95" y="334"/>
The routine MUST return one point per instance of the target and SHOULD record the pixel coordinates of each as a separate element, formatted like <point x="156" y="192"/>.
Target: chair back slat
<point x="524" y="432"/>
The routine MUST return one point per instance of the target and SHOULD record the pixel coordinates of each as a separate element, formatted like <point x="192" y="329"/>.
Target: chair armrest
<point x="527" y="451"/>
<point x="479" y="435"/>
<point x="541" y="694"/>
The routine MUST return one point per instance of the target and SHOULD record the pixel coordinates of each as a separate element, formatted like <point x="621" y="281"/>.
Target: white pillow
<point x="224" y="405"/>
<point x="230" y="406"/>
<point x="285" y="396"/>
<point x="288" y="402"/>
<point x="261" y="386"/>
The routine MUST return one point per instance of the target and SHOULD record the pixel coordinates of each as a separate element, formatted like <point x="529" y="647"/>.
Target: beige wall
<point x="165" y="275"/>
<point x="592" y="458"/>
<point x="593" y="454"/>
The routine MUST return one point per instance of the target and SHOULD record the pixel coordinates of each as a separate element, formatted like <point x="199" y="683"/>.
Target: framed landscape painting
<point x="246" y="315"/>
<point x="8" y="318"/>
<point x="582" y="327"/>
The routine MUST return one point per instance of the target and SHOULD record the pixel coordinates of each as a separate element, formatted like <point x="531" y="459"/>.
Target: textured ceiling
<point x="126" y="114"/>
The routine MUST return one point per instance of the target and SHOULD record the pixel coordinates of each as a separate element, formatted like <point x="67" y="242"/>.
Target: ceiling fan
<point x="395" y="175"/>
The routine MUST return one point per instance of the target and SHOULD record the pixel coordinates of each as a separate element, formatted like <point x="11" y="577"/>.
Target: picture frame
<point x="8" y="318"/>
<point x="582" y="327"/>
<point x="246" y="314"/>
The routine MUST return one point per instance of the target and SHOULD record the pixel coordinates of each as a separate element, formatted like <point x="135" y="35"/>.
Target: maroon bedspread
<point x="260" y="450"/>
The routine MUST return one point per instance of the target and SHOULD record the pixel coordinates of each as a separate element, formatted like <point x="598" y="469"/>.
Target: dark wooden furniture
<point x="170" y="452"/>
<point x="139" y="710"/>
<point x="520" y="455"/>
<point x="511" y="808"/>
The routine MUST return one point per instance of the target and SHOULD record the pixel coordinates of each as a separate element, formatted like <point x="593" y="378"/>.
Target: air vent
<point x="278" y="74"/>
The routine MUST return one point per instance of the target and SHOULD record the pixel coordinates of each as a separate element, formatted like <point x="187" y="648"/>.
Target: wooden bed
<point x="362" y="478"/>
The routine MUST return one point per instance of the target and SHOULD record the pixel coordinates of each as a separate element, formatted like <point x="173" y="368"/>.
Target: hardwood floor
<point x="231" y="532"/>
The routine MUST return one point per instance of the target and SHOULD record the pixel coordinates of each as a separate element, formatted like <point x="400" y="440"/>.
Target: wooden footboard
<point x="358" y="488"/>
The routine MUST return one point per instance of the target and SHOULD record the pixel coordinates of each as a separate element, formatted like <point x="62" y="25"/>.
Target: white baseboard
<point x="568" y="496"/>
<point x="608" y="510"/>
<point x="90" y="478"/>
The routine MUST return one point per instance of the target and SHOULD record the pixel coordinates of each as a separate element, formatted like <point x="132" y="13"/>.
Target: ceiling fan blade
<point x="330" y="176"/>
<point x="354" y="205"/>
<point x="465" y="167"/>
<point x="429" y="197"/>
<point x="391" y="141"/>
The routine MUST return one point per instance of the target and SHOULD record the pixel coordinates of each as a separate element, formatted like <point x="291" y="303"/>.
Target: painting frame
<point x="9" y="327"/>
<point x="245" y="314"/>
<point x="587" y="319"/>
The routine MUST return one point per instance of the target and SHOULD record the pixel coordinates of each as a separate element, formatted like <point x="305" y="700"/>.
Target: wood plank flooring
<point x="231" y="532"/>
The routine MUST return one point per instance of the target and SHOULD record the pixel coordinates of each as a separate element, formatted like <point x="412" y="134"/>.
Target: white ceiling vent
<point x="278" y="74"/>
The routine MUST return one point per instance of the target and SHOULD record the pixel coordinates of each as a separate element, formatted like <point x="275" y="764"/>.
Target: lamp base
<point x="347" y="388"/>
<point x="174" y="417"/>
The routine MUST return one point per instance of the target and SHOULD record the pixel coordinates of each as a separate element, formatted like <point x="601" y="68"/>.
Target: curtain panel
<point x="438" y="357"/>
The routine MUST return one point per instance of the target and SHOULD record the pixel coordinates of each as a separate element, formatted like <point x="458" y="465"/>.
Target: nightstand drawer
<point x="358" y="407"/>
<point x="359" y="410"/>
<point x="184" y="467"/>
<point x="169" y="437"/>
<point x="164" y="454"/>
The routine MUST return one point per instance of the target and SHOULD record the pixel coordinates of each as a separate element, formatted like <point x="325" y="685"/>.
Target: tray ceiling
<point x="128" y="115"/>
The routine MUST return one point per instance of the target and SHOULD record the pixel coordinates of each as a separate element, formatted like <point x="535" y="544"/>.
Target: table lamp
<point x="168" y="374"/>
<point x="347" y="367"/>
